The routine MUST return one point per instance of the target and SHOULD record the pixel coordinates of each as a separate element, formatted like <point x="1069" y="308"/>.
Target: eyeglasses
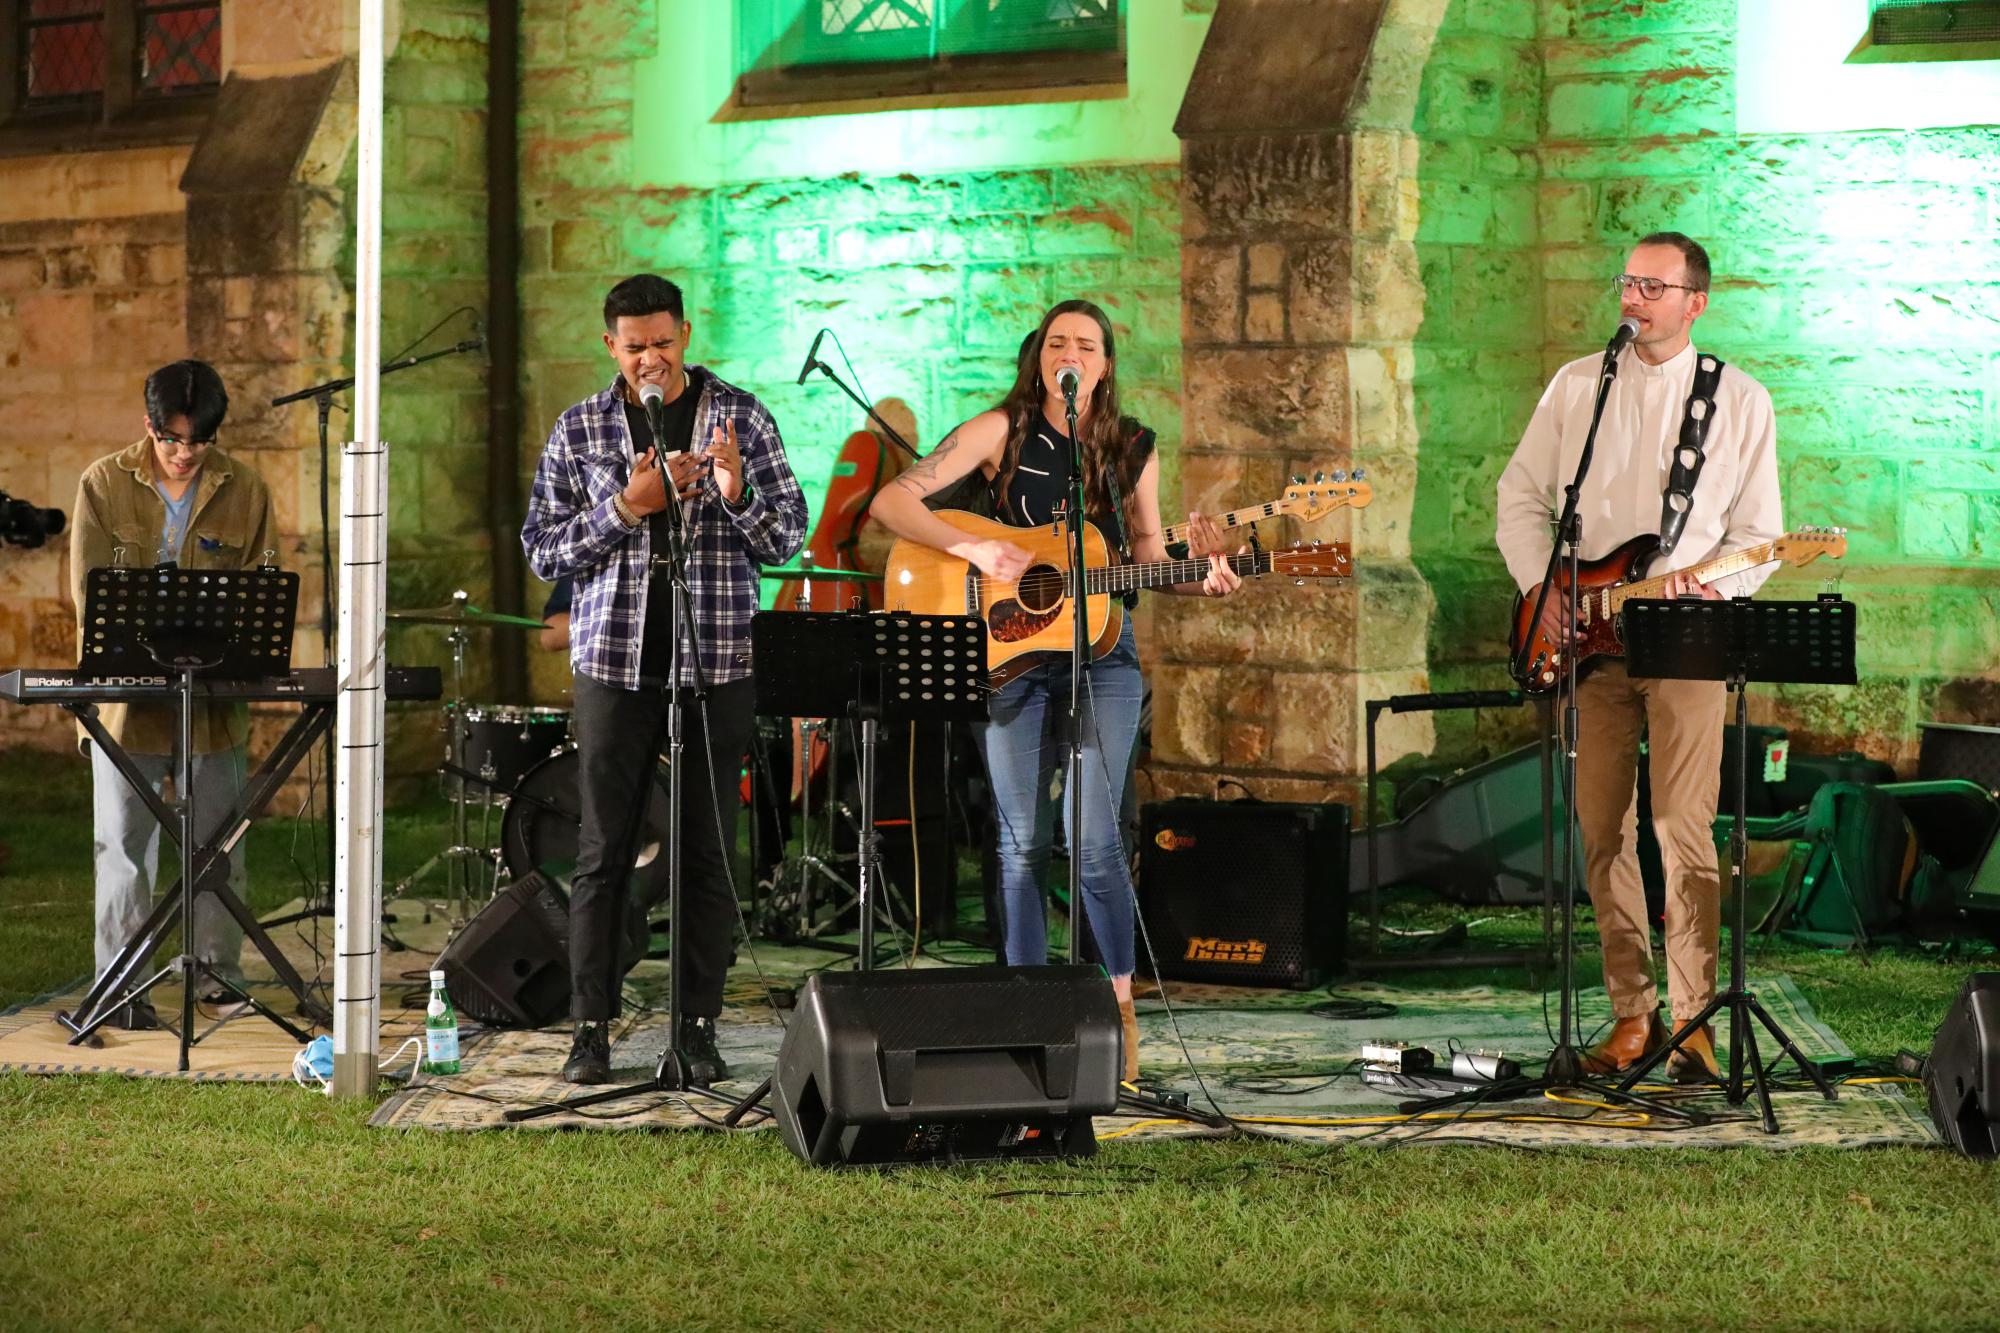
<point x="167" y="441"/>
<point x="1650" y="288"/>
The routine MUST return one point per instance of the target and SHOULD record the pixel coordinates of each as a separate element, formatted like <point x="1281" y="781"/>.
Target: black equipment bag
<point x="509" y="966"/>
<point x="1245" y="893"/>
<point x="948" y="1065"/>
<point x="1962" y="1076"/>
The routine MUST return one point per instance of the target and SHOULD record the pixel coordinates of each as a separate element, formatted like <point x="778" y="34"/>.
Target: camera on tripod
<point x="26" y="525"/>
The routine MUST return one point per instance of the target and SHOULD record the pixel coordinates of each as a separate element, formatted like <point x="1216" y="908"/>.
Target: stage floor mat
<point x="1264" y="1056"/>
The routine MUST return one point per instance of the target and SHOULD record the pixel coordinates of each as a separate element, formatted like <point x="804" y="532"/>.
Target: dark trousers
<point x="618" y="733"/>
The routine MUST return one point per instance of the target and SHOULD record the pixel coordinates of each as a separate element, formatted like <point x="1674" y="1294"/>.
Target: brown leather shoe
<point x="1631" y="1040"/>
<point x="1693" y="1061"/>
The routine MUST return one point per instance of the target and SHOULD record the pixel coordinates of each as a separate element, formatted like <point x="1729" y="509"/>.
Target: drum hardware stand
<point x="168" y="615"/>
<point x="874" y="667"/>
<point x="1738" y="641"/>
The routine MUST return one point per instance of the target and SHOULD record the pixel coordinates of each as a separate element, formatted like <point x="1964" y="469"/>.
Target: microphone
<point x="1628" y="329"/>
<point x="1067" y="379"/>
<point x="812" y="357"/>
<point x="654" y="399"/>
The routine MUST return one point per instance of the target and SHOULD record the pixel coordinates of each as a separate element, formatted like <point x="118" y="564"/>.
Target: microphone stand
<point x="672" y="1074"/>
<point x="887" y="430"/>
<point x="322" y="396"/>
<point x="1564" y="1066"/>
<point x="1079" y="656"/>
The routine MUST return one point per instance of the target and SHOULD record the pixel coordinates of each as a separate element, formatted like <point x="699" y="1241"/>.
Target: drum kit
<point x="517" y="764"/>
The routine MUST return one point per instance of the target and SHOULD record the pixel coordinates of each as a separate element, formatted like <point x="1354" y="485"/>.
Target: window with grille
<point x="102" y="58"/>
<point x="792" y="50"/>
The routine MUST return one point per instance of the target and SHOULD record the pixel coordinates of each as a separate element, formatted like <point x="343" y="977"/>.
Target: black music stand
<point x="875" y="667"/>
<point x="1796" y="643"/>
<point x="229" y="625"/>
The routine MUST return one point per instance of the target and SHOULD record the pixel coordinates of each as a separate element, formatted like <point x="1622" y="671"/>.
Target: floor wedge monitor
<point x="947" y="1065"/>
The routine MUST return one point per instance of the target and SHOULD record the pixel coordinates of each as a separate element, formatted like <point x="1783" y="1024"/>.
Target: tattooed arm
<point x="899" y="506"/>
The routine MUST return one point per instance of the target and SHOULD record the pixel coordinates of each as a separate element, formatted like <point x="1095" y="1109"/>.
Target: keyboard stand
<point x="211" y="861"/>
<point x="238" y="625"/>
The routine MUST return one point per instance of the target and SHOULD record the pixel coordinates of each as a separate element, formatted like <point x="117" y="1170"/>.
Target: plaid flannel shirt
<point x="573" y="531"/>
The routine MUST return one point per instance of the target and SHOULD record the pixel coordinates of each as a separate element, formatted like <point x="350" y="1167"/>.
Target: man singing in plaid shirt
<point x="597" y="515"/>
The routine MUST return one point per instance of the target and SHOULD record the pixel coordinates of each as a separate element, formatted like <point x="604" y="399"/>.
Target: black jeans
<point x="618" y="733"/>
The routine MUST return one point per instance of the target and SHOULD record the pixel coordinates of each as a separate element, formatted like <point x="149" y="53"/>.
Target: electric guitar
<point x="1303" y="501"/>
<point x="1031" y="619"/>
<point x="1604" y="586"/>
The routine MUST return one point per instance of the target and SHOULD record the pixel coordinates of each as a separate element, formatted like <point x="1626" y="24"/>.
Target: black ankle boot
<point x="589" y="1054"/>
<point x="699" y="1054"/>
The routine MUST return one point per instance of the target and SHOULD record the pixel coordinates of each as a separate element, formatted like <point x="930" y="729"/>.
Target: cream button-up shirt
<point x="1736" y="501"/>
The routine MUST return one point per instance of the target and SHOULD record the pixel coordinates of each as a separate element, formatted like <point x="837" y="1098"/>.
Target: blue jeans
<point x="1022" y="756"/>
<point x="128" y="853"/>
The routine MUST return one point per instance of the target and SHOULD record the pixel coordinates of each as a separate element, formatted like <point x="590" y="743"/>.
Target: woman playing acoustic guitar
<point x="1022" y="450"/>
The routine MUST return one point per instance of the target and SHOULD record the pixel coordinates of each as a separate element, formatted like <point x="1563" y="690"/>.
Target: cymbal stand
<point x="457" y="904"/>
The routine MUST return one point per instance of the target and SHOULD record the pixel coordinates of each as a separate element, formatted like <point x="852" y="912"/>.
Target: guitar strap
<point x="1688" y="454"/>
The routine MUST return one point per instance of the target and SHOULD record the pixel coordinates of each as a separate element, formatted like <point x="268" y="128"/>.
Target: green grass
<point x="126" y="1203"/>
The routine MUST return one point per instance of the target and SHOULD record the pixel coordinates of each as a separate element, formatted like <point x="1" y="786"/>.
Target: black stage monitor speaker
<point x="1962" y="1077"/>
<point x="509" y="966"/>
<point x="1245" y="893"/>
<point x="948" y="1065"/>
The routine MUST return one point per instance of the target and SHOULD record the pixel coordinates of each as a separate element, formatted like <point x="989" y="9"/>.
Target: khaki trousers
<point x="1683" y="723"/>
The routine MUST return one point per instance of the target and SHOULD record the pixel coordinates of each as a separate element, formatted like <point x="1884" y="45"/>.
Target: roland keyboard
<point x="54" y="685"/>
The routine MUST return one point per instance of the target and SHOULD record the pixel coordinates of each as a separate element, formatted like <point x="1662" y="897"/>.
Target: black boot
<point x="699" y="1054"/>
<point x="589" y="1054"/>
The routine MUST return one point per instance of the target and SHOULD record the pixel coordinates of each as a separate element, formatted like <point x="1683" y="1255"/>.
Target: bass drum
<point x="541" y="826"/>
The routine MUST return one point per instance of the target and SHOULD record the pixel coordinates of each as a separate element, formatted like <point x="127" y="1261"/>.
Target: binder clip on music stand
<point x="875" y="667"/>
<point x="1800" y="643"/>
<point x="227" y="625"/>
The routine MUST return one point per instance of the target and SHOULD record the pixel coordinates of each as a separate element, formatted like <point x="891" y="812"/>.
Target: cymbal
<point x="465" y="613"/>
<point x="820" y="572"/>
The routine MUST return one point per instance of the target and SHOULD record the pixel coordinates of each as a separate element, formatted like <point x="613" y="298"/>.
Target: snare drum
<point x="504" y="741"/>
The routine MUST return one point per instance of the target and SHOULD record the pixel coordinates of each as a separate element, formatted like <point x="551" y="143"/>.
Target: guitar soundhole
<point x="1040" y="589"/>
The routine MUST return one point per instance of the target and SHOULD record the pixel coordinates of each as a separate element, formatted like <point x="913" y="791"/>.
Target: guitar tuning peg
<point x="1319" y="478"/>
<point x="1298" y="479"/>
<point x="1355" y="475"/>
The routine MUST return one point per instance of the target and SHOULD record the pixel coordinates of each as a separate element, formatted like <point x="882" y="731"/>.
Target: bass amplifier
<point x="1245" y="893"/>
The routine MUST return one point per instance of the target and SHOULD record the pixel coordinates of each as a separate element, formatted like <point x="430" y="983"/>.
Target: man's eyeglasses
<point x="1650" y="288"/>
<point x="176" y="442"/>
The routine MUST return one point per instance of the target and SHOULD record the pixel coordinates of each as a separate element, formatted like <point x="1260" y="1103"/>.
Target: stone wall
<point x="93" y="280"/>
<point x="1479" y="351"/>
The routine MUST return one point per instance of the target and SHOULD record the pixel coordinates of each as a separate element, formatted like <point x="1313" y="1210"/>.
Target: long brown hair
<point x="1106" y="436"/>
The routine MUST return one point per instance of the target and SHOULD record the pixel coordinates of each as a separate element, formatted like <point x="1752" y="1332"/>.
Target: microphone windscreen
<point x="1628" y="329"/>
<point x="1067" y="379"/>
<point x="652" y="395"/>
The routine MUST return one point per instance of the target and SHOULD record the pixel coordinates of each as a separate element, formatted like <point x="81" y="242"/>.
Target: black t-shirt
<point x="677" y="431"/>
<point x="1041" y="484"/>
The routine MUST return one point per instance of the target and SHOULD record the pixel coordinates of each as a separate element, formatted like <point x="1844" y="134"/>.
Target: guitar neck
<point x="1162" y="573"/>
<point x="1235" y="518"/>
<point x="1734" y="563"/>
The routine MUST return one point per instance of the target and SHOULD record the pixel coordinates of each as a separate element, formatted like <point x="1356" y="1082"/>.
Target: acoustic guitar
<point x="1605" y="585"/>
<point x="1031" y="620"/>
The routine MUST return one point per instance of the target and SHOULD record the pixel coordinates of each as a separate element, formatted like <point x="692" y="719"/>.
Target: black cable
<point x="425" y="336"/>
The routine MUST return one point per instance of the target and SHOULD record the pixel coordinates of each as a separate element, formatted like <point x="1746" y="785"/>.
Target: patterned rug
<point x="1279" y="1063"/>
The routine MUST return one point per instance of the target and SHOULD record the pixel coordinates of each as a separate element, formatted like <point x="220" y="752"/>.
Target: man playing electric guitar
<point x="1687" y="444"/>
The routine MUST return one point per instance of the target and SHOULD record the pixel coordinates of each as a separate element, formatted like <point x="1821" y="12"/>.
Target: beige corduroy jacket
<point x="230" y="527"/>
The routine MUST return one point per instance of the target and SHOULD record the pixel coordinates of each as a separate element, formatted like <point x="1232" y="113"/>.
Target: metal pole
<point x="357" y="872"/>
